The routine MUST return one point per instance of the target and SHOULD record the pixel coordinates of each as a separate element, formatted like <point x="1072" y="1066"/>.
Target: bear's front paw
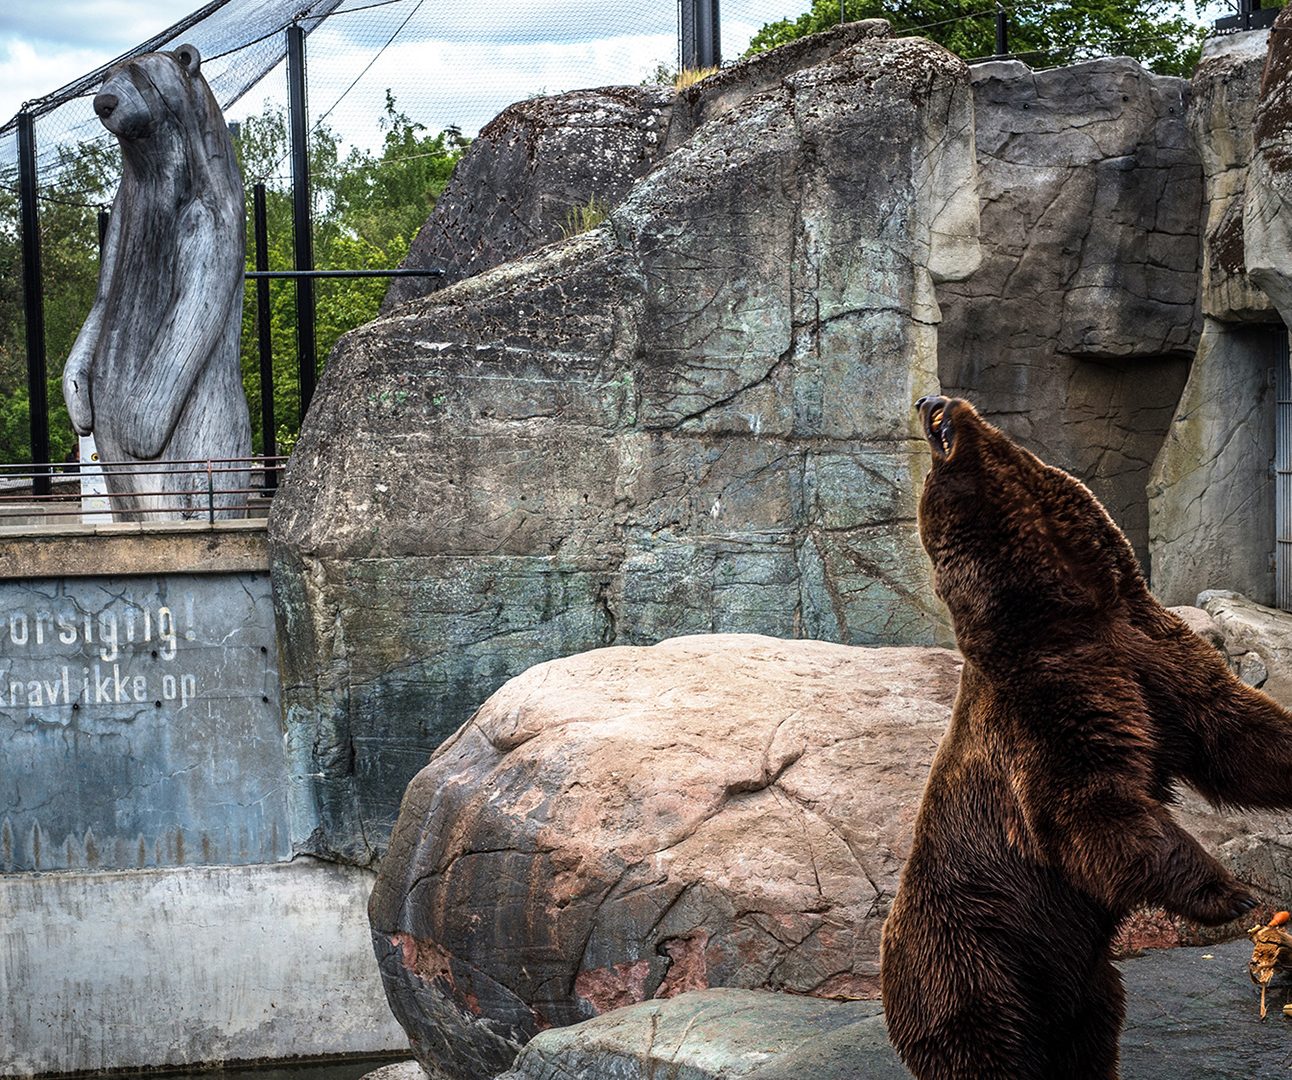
<point x="1220" y="902"/>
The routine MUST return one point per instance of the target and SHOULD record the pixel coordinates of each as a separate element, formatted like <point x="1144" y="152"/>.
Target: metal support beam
<point x="701" y="35"/>
<point x="264" y="338"/>
<point x="302" y="231"/>
<point x="33" y="301"/>
<point x="1002" y="32"/>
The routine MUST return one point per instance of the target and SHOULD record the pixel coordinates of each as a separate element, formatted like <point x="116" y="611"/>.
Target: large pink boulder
<point x="630" y="823"/>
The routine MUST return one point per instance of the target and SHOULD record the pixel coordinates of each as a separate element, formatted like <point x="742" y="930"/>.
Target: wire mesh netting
<point x="385" y="77"/>
<point x="395" y="89"/>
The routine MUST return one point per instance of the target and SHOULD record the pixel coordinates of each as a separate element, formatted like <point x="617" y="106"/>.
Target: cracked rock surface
<point x="1226" y="92"/>
<point x="1211" y="491"/>
<point x="693" y="418"/>
<point x="632" y="823"/>
<point x="527" y="170"/>
<point x="1073" y="336"/>
<point x="1191" y="1014"/>
<point x="1267" y="204"/>
<point x="713" y="811"/>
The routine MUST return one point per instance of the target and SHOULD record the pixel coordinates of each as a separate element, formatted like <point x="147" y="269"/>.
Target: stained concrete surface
<point x="167" y="968"/>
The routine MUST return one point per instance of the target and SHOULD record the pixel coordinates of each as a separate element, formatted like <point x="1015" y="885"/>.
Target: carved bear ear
<point x="189" y="57"/>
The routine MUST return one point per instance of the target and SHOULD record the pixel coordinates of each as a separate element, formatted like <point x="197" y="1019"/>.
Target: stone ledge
<point x="181" y="547"/>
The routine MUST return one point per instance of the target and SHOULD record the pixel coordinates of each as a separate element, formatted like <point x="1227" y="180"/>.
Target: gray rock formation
<point x="1211" y="495"/>
<point x="1251" y="628"/>
<point x="543" y="158"/>
<point x="1074" y="333"/>
<point x="694" y="418"/>
<point x="719" y="1035"/>
<point x="1226" y="90"/>
<point x="154" y="372"/>
<point x="1267" y="212"/>
<point x="527" y="171"/>
<point x="632" y="823"/>
<point x="1190" y="1013"/>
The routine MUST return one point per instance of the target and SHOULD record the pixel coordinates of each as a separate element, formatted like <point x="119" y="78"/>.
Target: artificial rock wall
<point x="1211" y="491"/>
<point x="1074" y="334"/>
<point x="696" y="416"/>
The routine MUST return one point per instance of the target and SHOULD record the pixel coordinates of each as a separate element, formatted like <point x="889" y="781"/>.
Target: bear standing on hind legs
<point x="1045" y="819"/>
<point x="154" y="372"/>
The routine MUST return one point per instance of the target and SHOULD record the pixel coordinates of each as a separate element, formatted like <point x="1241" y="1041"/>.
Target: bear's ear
<point x="189" y="57"/>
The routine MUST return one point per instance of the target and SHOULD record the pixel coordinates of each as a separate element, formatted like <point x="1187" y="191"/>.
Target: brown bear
<point x="1046" y="817"/>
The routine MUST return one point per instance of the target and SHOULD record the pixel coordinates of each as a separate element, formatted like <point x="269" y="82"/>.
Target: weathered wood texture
<point x="154" y="373"/>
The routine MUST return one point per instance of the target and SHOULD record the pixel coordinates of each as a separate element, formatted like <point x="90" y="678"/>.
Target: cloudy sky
<point x="456" y="61"/>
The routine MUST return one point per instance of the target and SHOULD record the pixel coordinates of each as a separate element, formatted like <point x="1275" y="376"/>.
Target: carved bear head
<point x="139" y="93"/>
<point x="1023" y="554"/>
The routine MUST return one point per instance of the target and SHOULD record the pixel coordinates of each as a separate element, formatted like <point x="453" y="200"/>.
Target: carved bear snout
<point x="104" y="104"/>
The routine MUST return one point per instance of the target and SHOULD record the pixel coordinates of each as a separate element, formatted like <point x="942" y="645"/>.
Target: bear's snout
<point x="104" y="104"/>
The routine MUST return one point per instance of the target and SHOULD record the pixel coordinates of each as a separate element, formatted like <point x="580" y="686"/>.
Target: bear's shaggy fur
<point x="154" y="372"/>
<point x="1045" y="820"/>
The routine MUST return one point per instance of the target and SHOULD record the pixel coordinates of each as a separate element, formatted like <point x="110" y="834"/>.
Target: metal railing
<point x="101" y="492"/>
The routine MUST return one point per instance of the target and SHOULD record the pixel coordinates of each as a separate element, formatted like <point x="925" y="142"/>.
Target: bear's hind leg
<point x="1087" y="1046"/>
<point x="994" y="1040"/>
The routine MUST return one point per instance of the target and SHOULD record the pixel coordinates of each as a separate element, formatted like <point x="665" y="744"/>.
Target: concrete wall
<point x="177" y="967"/>
<point x="140" y="720"/>
<point x="143" y="761"/>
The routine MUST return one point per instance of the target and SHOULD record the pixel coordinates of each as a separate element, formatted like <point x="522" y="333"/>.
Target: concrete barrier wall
<point x="176" y="967"/>
<point x="152" y="914"/>
<point x="139" y="717"/>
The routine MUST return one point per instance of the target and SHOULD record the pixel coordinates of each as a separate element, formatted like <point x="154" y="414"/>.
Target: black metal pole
<point x="711" y="30"/>
<point x="33" y="302"/>
<point x="699" y="26"/>
<point x="264" y="337"/>
<point x="256" y="275"/>
<point x="1002" y="32"/>
<point x="301" y="228"/>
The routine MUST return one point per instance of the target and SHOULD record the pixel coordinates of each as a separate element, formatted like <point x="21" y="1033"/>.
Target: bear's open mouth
<point x="936" y="413"/>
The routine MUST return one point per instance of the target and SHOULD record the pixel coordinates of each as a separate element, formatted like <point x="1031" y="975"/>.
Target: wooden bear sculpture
<point x="154" y="372"/>
<point x="1045" y="820"/>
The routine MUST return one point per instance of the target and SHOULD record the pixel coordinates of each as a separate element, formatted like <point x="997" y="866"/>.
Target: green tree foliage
<point x="70" y="260"/>
<point x="1043" y="34"/>
<point x="368" y="208"/>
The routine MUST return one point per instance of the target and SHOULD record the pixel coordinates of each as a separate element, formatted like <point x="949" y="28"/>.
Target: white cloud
<point x="27" y="72"/>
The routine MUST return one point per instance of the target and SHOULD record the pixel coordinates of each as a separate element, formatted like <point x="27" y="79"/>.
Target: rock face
<point x="1211" y="494"/>
<point x="633" y="823"/>
<point x="543" y="158"/>
<point x="1250" y="628"/>
<point x="1267" y="211"/>
<point x="713" y="811"/>
<point x="696" y="417"/>
<point x="1226" y="90"/>
<point x="1190" y="1013"/>
<point x="720" y="1035"/>
<point x="527" y="171"/>
<point x="1073" y="335"/>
